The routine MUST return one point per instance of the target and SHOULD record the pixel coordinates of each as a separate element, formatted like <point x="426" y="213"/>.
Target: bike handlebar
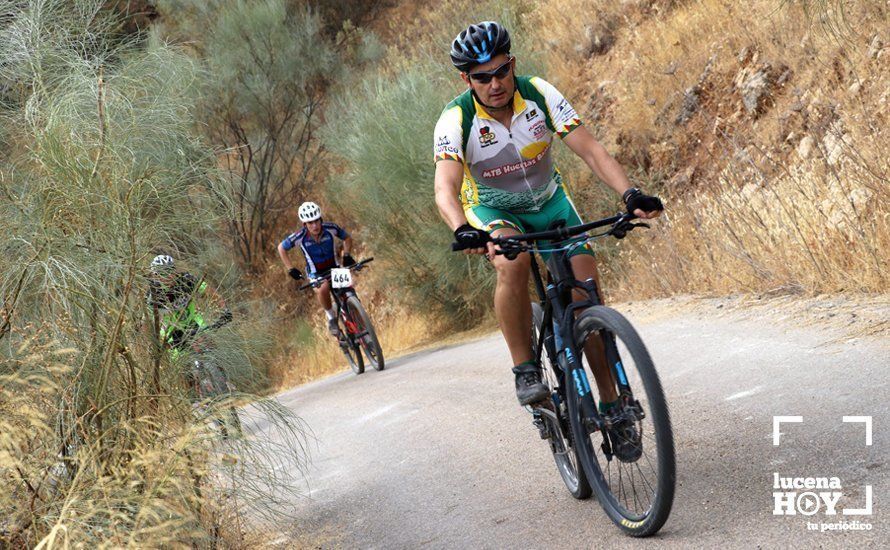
<point x="326" y="274"/>
<point x="219" y="323"/>
<point x="620" y="221"/>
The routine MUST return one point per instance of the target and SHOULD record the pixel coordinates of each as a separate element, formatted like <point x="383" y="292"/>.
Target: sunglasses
<point x="484" y="77"/>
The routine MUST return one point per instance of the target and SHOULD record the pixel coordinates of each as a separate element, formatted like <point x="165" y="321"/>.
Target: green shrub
<point x="269" y="67"/>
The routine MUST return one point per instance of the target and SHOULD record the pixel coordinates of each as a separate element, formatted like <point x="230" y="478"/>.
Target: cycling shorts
<point x="558" y="207"/>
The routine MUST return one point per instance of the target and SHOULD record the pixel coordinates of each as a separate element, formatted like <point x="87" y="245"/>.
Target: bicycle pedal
<point x="543" y="429"/>
<point x="544" y="404"/>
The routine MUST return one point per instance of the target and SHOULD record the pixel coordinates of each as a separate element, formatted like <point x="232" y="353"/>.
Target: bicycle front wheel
<point x="368" y="336"/>
<point x="630" y="461"/>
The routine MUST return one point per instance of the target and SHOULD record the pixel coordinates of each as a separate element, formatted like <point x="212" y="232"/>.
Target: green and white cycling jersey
<point x="513" y="169"/>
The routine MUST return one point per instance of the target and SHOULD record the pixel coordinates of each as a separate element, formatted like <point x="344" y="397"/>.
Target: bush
<point x="98" y="431"/>
<point x="269" y="67"/>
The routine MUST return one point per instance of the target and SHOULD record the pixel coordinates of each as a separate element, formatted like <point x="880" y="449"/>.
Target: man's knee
<point x="512" y="272"/>
<point x="323" y="292"/>
<point x="584" y="268"/>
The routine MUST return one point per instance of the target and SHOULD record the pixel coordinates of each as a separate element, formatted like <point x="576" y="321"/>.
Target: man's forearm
<point x="449" y="175"/>
<point x="450" y="209"/>
<point x="608" y="170"/>
<point x="284" y="259"/>
<point x="594" y="155"/>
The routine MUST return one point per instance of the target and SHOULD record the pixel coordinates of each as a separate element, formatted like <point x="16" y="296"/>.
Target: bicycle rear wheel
<point x="227" y="421"/>
<point x="555" y="415"/>
<point x="368" y="341"/>
<point x="636" y="492"/>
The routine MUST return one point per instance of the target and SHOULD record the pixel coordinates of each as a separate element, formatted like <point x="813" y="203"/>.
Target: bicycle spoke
<point x="646" y="481"/>
<point x="634" y="487"/>
<point x="621" y="490"/>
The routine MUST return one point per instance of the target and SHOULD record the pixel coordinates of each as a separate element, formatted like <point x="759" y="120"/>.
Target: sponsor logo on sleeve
<point x="538" y="129"/>
<point x="564" y="111"/>
<point x="445" y="149"/>
<point x="531" y="114"/>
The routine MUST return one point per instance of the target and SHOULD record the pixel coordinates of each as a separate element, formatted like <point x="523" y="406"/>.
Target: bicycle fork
<point x="576" y="377"/>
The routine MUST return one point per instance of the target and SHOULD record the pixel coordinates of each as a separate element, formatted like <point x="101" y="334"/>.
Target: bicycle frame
<point x="557" y="303"/>
<point x="341" y="297"/>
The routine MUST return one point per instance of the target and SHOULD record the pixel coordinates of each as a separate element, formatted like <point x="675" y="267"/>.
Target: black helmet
<point x="478" y="44"/>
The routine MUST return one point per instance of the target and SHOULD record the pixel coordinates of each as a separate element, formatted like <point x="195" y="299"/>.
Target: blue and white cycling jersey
<point x="320" y="254"/>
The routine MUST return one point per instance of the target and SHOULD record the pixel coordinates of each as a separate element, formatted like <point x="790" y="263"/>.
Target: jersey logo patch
<point x="487" y="137"/>
<point x="531" y="114"/>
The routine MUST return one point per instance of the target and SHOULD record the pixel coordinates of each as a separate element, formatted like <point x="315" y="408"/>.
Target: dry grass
<point x="746" y="210"/>
<point x="660" y="50"/>
<point x="811" y="230"/>
<point x="397" y="330"/>
<point x="160" y="478"/>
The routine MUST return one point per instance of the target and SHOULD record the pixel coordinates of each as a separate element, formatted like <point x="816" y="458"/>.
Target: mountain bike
<point x="357" y="333"/>
<point x="636" y="487"/>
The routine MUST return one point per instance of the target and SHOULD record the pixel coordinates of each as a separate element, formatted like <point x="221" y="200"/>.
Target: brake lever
<point x="512" y="251"/>
<point x="620" y="229"/>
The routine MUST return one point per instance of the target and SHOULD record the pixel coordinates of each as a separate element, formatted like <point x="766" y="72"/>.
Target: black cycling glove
<point x="348" y="260"/>
<point x="635" y="200"/>
<point x="295" y="274"/>
<point x="469" y="237"/>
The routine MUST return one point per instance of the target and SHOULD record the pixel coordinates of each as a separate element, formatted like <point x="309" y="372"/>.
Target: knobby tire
<point x="599" y="318"/>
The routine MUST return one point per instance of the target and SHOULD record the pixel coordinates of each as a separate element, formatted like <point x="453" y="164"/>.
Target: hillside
<point x="764" y="123"/>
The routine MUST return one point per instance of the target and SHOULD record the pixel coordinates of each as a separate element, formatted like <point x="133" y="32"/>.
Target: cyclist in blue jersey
<point x="317" y="242"/>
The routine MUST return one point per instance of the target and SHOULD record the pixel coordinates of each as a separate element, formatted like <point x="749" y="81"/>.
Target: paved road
<point x="435" y="453"/>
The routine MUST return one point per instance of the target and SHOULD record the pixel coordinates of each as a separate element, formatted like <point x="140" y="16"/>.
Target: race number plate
<point x="341" y="278"/>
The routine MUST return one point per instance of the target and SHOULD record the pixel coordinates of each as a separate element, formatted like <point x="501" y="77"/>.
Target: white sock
<point x="330" y="314"/>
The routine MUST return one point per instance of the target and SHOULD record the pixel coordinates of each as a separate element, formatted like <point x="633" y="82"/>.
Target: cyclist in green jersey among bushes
<point x="176" y="295"/>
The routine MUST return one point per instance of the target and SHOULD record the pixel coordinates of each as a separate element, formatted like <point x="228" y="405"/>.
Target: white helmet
<point x="309" y="212"/>
<point x="162" y="262"/>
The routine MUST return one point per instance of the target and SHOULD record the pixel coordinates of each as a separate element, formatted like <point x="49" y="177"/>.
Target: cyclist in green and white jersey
<point x="495" y="176"/>
<point x="176" y="295"/>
